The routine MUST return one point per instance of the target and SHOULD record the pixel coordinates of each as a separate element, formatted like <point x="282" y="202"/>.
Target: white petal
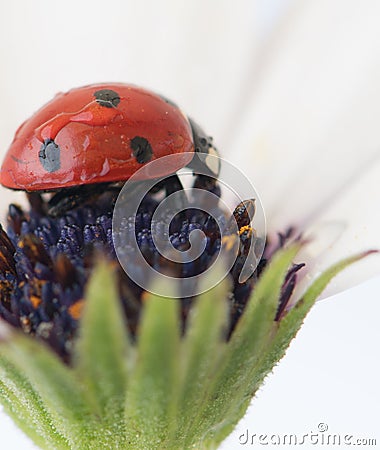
<point x="334" y="239"/>
<point x="312" y="123"/>
<point x="193" y="52"/>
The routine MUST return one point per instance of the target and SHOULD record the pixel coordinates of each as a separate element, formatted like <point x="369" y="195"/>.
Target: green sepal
<point x="54" y="383"/>
<point x="103" y="347"/>
<point x="152" y="393"/>
<point x="26" y="408"/>
<point x="202" y="353"/>
<point x="223" y="404"/>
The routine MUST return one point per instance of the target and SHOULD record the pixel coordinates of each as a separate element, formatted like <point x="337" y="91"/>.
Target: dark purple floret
<point x="46" y="261"/>
<point x="287" y="289"/>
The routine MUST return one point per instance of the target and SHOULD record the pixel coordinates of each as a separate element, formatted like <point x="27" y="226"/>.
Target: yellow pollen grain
<point x="244" y="229"/>
<point x="144" y="296"/>
<point x="35" y="301"/>
<point x="76" y="309"/>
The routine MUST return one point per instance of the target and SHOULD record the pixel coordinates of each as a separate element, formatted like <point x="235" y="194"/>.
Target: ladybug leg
<point x="173" y="185"/>
<point x="69" y="198"/>
<point x="64" y="200"/>
<point x="204" y="186"/>
<point x="36" y="202"/>
<point x="207" y="183"/>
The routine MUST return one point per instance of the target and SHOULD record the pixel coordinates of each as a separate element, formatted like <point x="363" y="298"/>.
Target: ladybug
<point x="92" y="138"/>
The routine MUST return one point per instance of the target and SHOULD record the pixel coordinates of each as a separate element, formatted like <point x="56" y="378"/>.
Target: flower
<point x="301" y="92"/>
<point x="141" y="371"/>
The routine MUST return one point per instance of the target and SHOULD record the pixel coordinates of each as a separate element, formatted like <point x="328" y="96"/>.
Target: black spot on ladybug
<point x="50" y="156"/>
<point x="107" y="98"/>
<point x="141" y="149"/>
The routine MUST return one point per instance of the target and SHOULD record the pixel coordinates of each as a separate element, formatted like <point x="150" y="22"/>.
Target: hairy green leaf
<point x="25" y="407"/>
<point x="54" y="383"/>
<point x="202" y="353"/>
<point x="103" y="346"/>
<point x="252" y="334"/>
<point x="152" y="392"/>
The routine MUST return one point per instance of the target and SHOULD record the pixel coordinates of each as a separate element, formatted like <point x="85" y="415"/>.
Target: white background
<point x="331" y="371"/>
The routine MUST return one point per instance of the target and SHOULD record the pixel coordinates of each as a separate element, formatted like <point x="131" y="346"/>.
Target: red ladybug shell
<point x="96" y="134"/>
